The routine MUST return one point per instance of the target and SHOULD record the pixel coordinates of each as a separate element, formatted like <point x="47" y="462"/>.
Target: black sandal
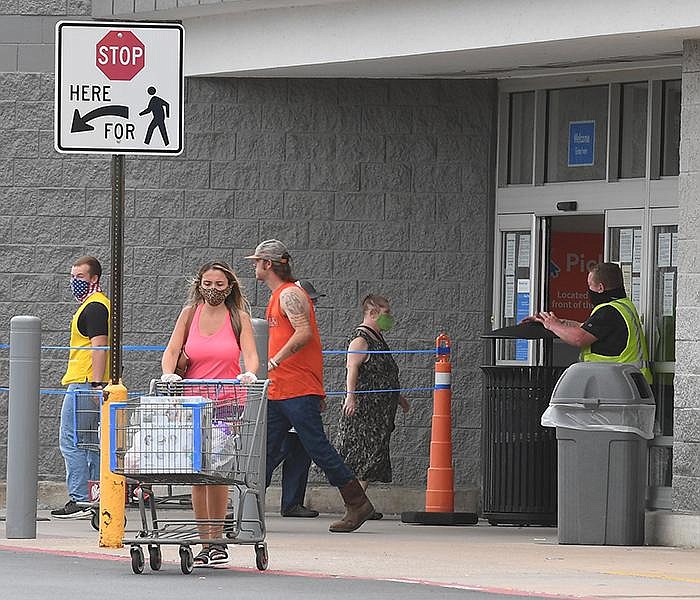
<point x="202" y="559"/>
<point x="218" y="555"/>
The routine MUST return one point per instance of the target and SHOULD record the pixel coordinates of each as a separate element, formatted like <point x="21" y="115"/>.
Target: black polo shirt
<point x="609" y="326"/>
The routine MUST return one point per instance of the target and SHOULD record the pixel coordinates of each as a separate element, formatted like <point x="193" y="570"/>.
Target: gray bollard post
<point x="23" y="427"/>
<point x="260" y="330"/>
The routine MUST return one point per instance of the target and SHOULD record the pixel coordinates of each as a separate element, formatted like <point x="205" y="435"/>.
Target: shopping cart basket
<point x="87" y="407"/>
<point x="196" y="432"/>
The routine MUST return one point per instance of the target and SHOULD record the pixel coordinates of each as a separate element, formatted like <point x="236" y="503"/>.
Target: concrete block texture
<point x="375" y="186"/>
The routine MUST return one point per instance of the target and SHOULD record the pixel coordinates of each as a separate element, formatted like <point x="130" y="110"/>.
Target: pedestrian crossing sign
<point x="119" y="88"/>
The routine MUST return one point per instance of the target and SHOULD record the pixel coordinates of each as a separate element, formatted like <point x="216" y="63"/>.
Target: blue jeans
<point x="82" y="465"/>
<point x="295" y="470"/>
<point x="304" y="415"/>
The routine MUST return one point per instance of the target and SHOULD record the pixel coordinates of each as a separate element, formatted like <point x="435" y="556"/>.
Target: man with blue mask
<point x="86" y="371"/>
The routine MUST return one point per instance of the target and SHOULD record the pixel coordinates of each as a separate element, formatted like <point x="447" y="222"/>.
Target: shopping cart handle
<point x="211" y="381"/>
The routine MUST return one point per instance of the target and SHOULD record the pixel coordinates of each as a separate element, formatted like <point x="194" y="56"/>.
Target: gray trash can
<point x="604" y="415"/>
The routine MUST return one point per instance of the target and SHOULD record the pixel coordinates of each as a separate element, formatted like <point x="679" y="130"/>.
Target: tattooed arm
<point x="295" y="305"/>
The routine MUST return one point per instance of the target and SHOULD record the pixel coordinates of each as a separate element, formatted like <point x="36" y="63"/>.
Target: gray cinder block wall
<point x="375" y="185"/>
<point x="686" y="425"/>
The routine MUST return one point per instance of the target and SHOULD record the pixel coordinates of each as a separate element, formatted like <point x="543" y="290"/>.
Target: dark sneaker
<point x="218" y="555"/>
<point x="377" y="516"/>
<point x="72" y="511"/>
<point x="299" y="511"/>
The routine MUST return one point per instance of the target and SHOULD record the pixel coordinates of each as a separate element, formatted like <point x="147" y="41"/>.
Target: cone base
<point x="439" y="518"/>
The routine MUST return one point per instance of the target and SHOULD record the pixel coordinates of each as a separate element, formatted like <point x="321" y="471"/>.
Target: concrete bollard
<point x="23" y="427"/>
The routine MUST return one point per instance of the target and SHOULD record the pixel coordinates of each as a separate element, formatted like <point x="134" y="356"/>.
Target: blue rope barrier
<point x="55" y="392"/>
<point x="161" y="348"/>
<point x="343" y="393"/>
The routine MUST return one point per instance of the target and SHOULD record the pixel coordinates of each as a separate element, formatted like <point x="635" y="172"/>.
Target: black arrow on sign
<point x="81" y="123"/>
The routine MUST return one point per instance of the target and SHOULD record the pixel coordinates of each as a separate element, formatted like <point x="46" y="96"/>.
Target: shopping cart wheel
<point x="186" y="560"/>
<point x="95" y="519"/>
<point x="155" y="558"/>
<point x="261" y="557"/>
<point x="137" y="560"/>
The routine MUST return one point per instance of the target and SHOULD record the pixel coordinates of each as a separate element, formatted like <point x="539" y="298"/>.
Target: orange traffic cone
<point x="439" y="494"/>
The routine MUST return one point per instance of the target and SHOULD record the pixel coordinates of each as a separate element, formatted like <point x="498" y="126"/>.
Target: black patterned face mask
<point x="214" y="297"/>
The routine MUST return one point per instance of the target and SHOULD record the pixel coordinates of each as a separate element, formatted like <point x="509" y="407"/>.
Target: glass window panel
<point x="577" y="131"/>
<point x="633" y="129"/>
<point x="626" y="249"/>
<point x="521" y="137"/>
<point x="662" y="345"/>
<point x="671" y="131"/>
<point x="516" y="297"/>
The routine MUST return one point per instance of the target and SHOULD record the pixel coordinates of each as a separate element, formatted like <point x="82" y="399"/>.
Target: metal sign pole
<point x="115" y="365"/>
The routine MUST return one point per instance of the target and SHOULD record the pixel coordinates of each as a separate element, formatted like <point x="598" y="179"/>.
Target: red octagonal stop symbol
<point x="120" y="55"/>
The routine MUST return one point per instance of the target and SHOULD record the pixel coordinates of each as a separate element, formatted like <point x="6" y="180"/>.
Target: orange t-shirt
<point x="302" y="373"/>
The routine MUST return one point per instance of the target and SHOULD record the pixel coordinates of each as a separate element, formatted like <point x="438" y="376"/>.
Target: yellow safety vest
<point x="635" y="351"/>
<point x="80" y="361"/>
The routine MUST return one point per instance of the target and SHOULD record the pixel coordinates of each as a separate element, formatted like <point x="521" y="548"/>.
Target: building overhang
<point x="418" y="39"/>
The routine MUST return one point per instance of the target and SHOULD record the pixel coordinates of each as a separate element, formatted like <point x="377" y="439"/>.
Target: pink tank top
<point x="216" y="356"/>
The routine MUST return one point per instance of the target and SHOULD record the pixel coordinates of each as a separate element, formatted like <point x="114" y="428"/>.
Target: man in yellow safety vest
<point x="86" y="371"/>
<point x="613" y="331"/>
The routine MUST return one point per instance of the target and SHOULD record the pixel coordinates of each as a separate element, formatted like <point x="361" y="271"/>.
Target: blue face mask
<point x="80" y="288"/>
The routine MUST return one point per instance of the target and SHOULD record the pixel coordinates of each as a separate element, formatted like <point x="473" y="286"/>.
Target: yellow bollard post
<point x="111" y="486"/>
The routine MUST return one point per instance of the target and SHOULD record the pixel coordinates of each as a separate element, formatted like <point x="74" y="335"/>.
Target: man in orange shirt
<point x="295" y="371"/>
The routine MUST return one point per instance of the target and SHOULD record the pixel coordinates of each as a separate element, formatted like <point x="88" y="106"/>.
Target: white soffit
<point x="440" y="38"/>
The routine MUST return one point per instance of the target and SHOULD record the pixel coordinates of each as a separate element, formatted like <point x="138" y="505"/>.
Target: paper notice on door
<point x="524" y="250"/>
<point x="664" y="257"/>
<point x="510" y="254"/>
<point x="636" y="291"/>
<point x="637" y="251"/>
<point x="674" y="249"/>
<point x="626" y="245"/>
<point x="509" y="298"/>
<point x="627" y="276"/>
<point x="667" y="302"/>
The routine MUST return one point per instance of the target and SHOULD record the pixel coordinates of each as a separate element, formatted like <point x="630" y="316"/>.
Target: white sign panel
<point x="119" y="88"/>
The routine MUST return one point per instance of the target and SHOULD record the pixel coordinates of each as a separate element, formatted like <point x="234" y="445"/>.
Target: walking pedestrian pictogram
<point x="160" y="110"/>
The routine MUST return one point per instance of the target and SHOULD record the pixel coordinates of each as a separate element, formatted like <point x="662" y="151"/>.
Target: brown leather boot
<point x="358" y="508"/>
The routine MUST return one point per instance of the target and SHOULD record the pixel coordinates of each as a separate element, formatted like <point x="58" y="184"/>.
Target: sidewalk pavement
<point x="515" y="560"/>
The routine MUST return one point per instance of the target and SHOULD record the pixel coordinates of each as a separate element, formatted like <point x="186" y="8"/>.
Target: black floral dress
<point x="363" y="438"/>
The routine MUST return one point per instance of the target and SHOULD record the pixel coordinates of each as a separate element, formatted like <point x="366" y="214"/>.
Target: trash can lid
<point x="591" y="383"/>
<point x="532" y="330"/>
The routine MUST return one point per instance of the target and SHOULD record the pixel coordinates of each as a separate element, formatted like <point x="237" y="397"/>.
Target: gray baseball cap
<point x="273" y="250"/>
<point x="308" y="287"/>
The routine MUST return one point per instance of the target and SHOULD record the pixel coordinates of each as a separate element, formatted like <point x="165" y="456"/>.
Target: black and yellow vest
<point x="80" y="361"/>
<point x="635" y="352"/>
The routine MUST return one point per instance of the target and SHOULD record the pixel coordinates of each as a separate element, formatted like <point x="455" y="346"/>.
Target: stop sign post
<point x="118" y="90"/>
<point x="120" y="55"/>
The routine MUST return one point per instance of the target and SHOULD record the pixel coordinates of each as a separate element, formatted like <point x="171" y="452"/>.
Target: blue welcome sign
<point x="581" y="143"/>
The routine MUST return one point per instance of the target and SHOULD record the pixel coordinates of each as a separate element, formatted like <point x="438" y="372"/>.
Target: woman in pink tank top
<point x="214" y="330"/>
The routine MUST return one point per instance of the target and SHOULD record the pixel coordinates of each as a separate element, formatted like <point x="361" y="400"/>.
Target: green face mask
<point x="385" y="322"/>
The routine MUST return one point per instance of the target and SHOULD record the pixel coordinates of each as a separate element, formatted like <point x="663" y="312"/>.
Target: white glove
<point x="170" y="377"/>
<point x="247" y="377"/>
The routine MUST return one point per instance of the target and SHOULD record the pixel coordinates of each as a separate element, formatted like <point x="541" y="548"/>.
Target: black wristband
<point x="96" y="384"/>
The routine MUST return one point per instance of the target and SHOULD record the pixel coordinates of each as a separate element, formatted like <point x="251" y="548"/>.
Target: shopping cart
<point x="87" y="404"/>
<point x="194" y="432"/>
<point x="87" y="408"/>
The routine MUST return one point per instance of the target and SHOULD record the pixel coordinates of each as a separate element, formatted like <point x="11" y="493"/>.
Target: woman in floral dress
<point x="367" y="420"/>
